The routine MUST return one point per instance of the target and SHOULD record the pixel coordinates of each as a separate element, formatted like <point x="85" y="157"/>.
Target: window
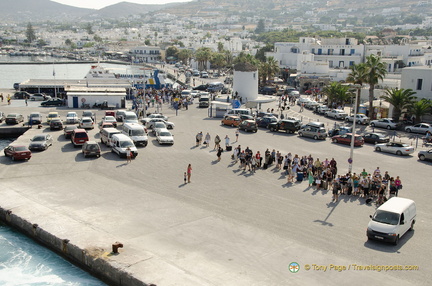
<point x="342" y="52"/>
<point x="351" y="63"/>
<point x="419" y="83"/>
<point x="341" y="64"/>
<point x="330" y="64"/>
<point x="330" y="51"/>
<point x="352" y="51"/>
<point x="319" y="51"/>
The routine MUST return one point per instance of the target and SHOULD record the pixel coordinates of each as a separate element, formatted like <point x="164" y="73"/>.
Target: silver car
<point x="419" y="128"/>
<point x="86" y="123"/>
<point x="395" y="148"/>
<point x="425" y="155"/>
<point x="313" y="132"/>
<point x="387" y="123"/>
<point x="41" y="142"/>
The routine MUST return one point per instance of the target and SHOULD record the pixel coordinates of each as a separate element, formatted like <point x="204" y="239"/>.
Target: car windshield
<point x="109" y="118"/>
<point x="159" y="125"/>
<point x="52" y="115"/>
<point x="34" y="115"/>
<point x="93" y="147"/>
<point x="12" y="115"/>
<point x="164" y="134"/>
<point x="80" y="135"/>
<point x="386" y="217"/>
<point x="131" y="117"/>
<point x="21" y="148"/>
<point x="125" y="144"/>
<point x="39" y="138"/>
<point x="71" y="115"/>
<point x="87" y="121"/>
<point x="85" y="114"/>
<point x="138" y="132"/>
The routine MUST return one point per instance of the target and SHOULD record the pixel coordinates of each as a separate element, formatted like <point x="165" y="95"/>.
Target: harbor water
<point x="24" y="262"/>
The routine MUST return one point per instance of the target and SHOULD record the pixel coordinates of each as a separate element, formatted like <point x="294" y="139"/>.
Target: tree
<point x="185" y="55"/>
<point x="268" y="69"/>
<point x="218" y="60"/>
<point x="357" y="76"/>
<point x="337" y="93"/>
<point x="220" y="47"/>
<point x="260" y="55"/>
<point x="401" y="99"/>
<point x="375" y="71"/>
<point x="147" y="42"/>
<point x="88" y="28"/>
<point x="420" y="108"/>
<point x="30" y="33"/>
<point x="171" y="52"/>
<point x="202" y="56"/>
<point x="260" y="28"/>
<point x="246" y="58"/>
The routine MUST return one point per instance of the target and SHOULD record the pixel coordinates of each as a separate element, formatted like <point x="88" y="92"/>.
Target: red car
<point x="346" y="139"/>
<point x="18" y="152"/>
<point x="312" y="91"/>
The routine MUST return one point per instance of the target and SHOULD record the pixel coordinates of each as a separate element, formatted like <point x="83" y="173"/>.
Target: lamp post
<point x="353" y="132"/>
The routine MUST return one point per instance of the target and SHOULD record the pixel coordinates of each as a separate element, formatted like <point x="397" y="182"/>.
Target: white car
<point x="387" y="123"/>
<point x="336" y="114"/>
<point x="419" y="128"/>
<point x="110" y="119"/>
<point x="322" y="109"/>
<point x="151" y="116"/>
<point x="169" y="125"/>
<point x="157" y="126"/>
<point x="397" y="148"/>
<point x="39" y="97"/>
<point x="195" y="93"/>
<point x="163" y="136"/>
<point x="360" y="119"/>
<point x="86" y="123"/>
<point x="304" y="100"/>
<point x="72" y="118"/>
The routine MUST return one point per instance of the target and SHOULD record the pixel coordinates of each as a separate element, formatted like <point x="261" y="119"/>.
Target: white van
<point x="120" y="143"/>
<point x="186" y="93"/>
<point x="392" y="220"/>
<point x="136" y="132"/>
<point x="130" y="117"/>
<point x="107" y="134"/>
<point x="238" y="111"/>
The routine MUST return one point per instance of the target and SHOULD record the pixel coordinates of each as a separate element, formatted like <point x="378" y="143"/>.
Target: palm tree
<point x="400" y="99"/>
<point x="272" y="67"/>
<point x="375" y="71"/>
<point x="246" y="58"/>
<point x="203" y="55"/>
<point x="337" y="93"/>
<point x="420" y="108"/>
<point x="357" y="76"/>
<point x="218" y="61"/>
<point x="184" y="55"/>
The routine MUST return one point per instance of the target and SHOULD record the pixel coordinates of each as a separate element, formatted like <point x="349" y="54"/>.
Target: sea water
<point x="24" y="262"/>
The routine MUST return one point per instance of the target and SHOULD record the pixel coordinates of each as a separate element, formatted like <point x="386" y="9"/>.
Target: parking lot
<point x="228" y="226"/>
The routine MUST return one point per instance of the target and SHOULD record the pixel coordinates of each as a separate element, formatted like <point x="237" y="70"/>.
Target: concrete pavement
<point x="227" y="227"/>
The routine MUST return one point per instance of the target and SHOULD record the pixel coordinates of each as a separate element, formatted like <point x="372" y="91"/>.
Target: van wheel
<point x="396" y="241"/>
<point x="412" y="225"/>
<point x="315" y="137"/>
<point x="300" y="134"/>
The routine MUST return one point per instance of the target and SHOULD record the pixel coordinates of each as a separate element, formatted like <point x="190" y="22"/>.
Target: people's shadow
<point x="215" y="162"/>
<point x="122" y="165"/>
<point x="182" y="185"/>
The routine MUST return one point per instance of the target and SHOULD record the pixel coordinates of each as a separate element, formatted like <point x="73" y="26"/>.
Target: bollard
<point x="116" y="246"/>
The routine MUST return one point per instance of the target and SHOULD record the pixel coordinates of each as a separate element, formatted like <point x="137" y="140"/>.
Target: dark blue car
<point x="265" y="121"/>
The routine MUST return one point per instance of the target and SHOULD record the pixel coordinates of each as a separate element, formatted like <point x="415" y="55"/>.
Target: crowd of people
<point x="374" y="186"/>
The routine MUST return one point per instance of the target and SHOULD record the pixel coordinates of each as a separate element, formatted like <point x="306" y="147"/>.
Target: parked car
<point x="56" y="124"/>
<point x="397" y="148"/>
<point x="311" y="104"/>
<point x="202" y="87"/>
<point x="39" y="97"/>
<point x="151" y="116"/>
<point x="303" y="100"/>
<point x="17" y="152"/>
<point x="89" y="113"/>
<point x="14" y="118"/>
<point x="91" y="148"/>
<point x="35" y="117"/>
<point x="52" y="102"/>
<point x="120" y="115"/>
<point x="168" y="124"/>
<point x="360" y="119"/>
<point x="322" y="109"/>
<point x="289" y="126"/>
<point x="109" y="119"/>
<point x="313" y="132"/>
<point x="204" y="74"/>
<point x="158" y="126"/>
<point x="312" y="91"/>
<point x="67" y="131"/>
<point x="266" y="121"/>
<point x="248" y="125"/>
<point x="41" y="142"/>
<point x="103" y="125"/>
<point x="72" y="118"/>
<point x="246" y="117"/>
<point x="387" y="123"/>
<point x="21" y="95"/>
<point x="52" y="115"/>
<point x="265" y="114"/>
<point x="120" y="143"/>
<point x="346" y="139"/>
<point x="339" y="130"/>
<point x="336" y="114"/>
<point x="375" y="138"/>
<point x="419" y="128"/>
<point x="79" y="137"/>
<point x="268" y="90"/>
<point x="231" y="120"/>
<point x="86" y="123"/>
<point x="425" y="155"/>
<point x="163" y="136"/>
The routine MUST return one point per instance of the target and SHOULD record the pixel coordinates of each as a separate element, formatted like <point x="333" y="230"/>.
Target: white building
<point x="419" y="79"/>
<point x="245" y="82"/>
<point x="146" y="54"/>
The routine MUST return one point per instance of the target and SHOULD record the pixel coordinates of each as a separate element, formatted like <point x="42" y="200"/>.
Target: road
<point x="228" y="226"/>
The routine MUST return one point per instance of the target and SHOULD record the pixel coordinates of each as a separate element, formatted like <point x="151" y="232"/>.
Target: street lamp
<point x="353" y="132"/>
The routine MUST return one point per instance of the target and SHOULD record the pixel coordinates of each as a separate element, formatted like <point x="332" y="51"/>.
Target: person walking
<point x="219" y="153"/>
<point x="128" y="155"/>
<point x="189" y="173"/>
<point x="207" y="139"/>
<point x="237" y="135"/>
<point x="227" y="142"/>
<point x="198" y="138"/>
<point x="217" y="142"/>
